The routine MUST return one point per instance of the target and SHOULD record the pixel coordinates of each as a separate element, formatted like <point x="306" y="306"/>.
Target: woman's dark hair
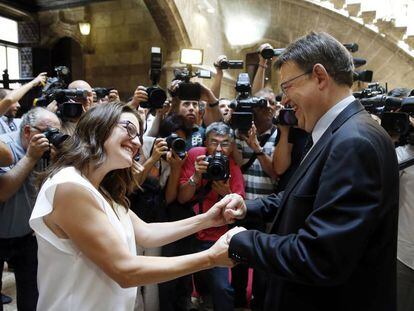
<point x="173" y="123"/>
<point x="86" y="146"/>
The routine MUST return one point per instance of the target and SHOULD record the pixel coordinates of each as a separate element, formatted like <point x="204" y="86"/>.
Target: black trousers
<point x="21" y="253"/>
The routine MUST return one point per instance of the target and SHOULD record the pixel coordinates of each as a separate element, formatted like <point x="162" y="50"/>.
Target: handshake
<point x="226" y="211"/>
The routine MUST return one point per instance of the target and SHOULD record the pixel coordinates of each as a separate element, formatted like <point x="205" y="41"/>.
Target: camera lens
<point x="156" y="97"/>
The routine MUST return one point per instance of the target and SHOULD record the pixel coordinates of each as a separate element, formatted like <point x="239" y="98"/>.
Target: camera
<point x="394" y="112"/>
<point x="286" y="117"/>
<point x="230" y="64"/>
<point x="52" y="84"/>
<point x="101" y="92"/>
<point x="268" y="53"/>
<point x="218" y="167"/>
<point x="55" y="137"/>
<point x="69" y="102"/>
<point x="187" y="90"/>
<point x="177" y="144"/>
<point x="244" y="104"/>
<point x="156" y="95"/>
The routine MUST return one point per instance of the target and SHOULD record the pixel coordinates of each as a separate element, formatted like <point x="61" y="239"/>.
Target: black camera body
<point x="187" y="90"/>
<point x="156" y="95"/>
<point x="231" y="64"/>
<point x="243" y="105"/>
<point x="101" y="92"/>
<point x="177" y="144"/>
<point x="268" y="53"/>
<point x="394" y="112"/>
<point x="218" y="167"/>
<point x="286" y="117"/>
<point x="55" y="137"/>
<point x="52" y="84"/>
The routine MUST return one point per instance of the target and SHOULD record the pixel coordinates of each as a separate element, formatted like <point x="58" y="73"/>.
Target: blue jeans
<point x="21" y="252"/>
<point x="217" y="282"/>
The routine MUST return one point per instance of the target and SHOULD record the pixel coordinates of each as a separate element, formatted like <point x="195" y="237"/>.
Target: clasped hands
<point x="226" y="211"/>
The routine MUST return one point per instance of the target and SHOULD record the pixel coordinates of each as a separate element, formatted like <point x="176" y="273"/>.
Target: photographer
<point x="289" y="151"/>
<point x="190" y="109"/>
<point x="17" y="244"/>
<point x="204" y="190"/>
<point x="69" y="124"/>
<point x="9" y="104"/>
<point x="259" y="78"/>
<point x="162" y="164"/>
<point x="224" y="106"/>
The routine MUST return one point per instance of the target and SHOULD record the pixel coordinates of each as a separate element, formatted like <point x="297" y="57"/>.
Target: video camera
<point x="69" y="100"/>
<point x="230" y="64"/>
<point x="156" y="95"/>
<point x="101" y="92"/>
<point x="243" y="105"/>
<point x="187" y="90"/>
<point x="218" y="167"/>
<point x="394" y="112"/>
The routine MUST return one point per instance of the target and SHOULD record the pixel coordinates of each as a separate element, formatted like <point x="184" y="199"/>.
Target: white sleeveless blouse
<point x="66" y="278"/>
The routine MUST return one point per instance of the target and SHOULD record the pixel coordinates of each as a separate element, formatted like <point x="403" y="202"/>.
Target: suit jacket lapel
<point x="313" y="154"/>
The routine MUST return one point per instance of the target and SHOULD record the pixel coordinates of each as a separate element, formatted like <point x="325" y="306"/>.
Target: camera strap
<point x="200" y="196"/>
<point x="262" y="142"/>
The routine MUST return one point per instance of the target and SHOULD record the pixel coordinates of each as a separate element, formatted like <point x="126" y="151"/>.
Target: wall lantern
<point x="85" y="28"/>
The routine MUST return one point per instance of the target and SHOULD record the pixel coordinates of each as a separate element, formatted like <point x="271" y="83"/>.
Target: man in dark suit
<point x="332" y="241"/>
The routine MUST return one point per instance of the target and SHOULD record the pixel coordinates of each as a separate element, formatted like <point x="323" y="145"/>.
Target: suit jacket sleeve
<point x="263" y="208"/>
<point x="346" y="210"/>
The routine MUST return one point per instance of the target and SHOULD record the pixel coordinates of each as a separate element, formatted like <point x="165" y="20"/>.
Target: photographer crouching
<point x="208" y="174"/>
<point x="17" y="243"/>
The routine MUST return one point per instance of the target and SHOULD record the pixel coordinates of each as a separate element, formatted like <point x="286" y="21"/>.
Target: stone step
<point x="338" y="4"/>
<point x="368" y="16"/>
<point x="353" y="9"/>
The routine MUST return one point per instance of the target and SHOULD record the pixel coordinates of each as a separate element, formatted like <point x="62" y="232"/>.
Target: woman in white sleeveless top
<point x="86" y="235"/>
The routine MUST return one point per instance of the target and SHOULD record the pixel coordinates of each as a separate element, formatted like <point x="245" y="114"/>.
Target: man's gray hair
<point x="324" y="49"/>
<point x="219" y="128"/>
<point x="33" y="115"/>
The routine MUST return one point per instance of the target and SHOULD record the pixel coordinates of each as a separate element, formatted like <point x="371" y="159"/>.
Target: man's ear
<point x="322" y="75"/>
<point x="26" y="131"/>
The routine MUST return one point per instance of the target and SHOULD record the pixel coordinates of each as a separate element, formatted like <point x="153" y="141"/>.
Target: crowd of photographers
<point x="197" y="148"/>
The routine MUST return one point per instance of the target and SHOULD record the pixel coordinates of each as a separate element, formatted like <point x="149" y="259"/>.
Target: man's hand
<point x="174" y="160"/>
<point x="200" y="166"/>
<point x="219" y="251"/>
<point x="113" y="96"/>
<point x="221" y="187"/>
<point x="263" y="61"/>
<point x="39" y="80"/>
<point x="53" y="106"/>
<point x="218" y="61"/>
<point x="252" y="139"/>
<point x="160" y="149"/>
<point x="140" y="96"/>
<point x="233" y="207"/>
<point x="38" y="145"/>
<point x="165" y="109"/>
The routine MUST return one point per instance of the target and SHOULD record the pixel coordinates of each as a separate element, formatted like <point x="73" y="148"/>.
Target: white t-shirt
<point x="405" y="251"/>
<point x="67" y="279"/>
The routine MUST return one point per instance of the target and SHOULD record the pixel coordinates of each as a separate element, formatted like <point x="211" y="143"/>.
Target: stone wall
<point x="117" y="51"/>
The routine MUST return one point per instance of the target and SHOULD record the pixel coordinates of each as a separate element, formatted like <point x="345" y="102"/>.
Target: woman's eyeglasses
<point x="130" y="127"/>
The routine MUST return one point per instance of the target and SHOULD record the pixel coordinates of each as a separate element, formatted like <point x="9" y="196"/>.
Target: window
<point x="9" y="48"/>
